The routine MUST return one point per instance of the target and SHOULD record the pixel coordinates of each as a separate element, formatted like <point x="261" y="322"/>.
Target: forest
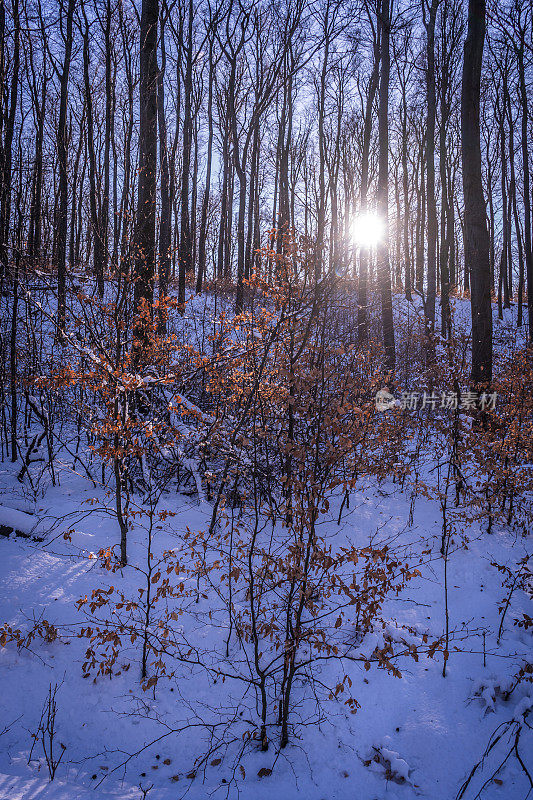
<point x="266" y="375"/>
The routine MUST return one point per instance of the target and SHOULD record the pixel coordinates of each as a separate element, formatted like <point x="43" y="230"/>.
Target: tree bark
<point x="165" y="232"/>
<point x="98" y="239"/>
<point x="146" y="210"/>
<point x="430" y="165"/>
<point x="5" y="199"/>
<point x="383" y="265"/>
<point x="528" y="244"/>
<point x="362" y="299"/>
<point x="185" y="245"/>
<point x="62" y="158"/>
<point x="200" y="276"/>
<point x="476" y="240"/>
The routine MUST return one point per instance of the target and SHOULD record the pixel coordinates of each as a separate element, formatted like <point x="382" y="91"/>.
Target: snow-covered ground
<point x="414" y="736"/>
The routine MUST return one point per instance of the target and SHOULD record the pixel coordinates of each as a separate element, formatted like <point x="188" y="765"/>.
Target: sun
<point x="367" y="230"/>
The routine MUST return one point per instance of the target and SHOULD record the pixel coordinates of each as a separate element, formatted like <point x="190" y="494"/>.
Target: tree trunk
<point x="35" y="225"/>
<point x="383" y="266"/>
<point x="207" y="189"/>
<point x="146" y="210"/>
<point x="98" y="243"/>
<point x="5" y="200"/>
<point x="430" y="167"/>
<point x="62" y="156"/>
<point x="362" y="299"/>
<point x="165" y="232"/>
<point x="108" y="137"/>
<point x="184" y="252"/>
<point x="476" y="240"/>
<point x="528" y="244"/>
<point x="321" y="210"/>
<point x="513" y="200"/>
<point x="405" y="188"/>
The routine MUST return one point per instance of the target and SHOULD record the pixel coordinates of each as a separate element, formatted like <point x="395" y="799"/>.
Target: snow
<point x="523" y="707"/>
<point x="423" y="725"/>
<point x="398" y="766"/>
<point x="19" y="520"/>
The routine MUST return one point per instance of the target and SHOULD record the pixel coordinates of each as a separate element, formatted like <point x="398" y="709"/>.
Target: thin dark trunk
<point x="446" y="229"/>
<point x="383" y="266"/>
<point x="185" y="245"/>
<point x="421" y="223"/>
<point x="146" y="210"/>
<point x="254" y="177"/>
<point x="98" y="242"/>
<point x="221" y="261"/>
<point x="405" y="187"/>
<point x="528" y="245"/>
<point x="430" y="167"/>
<point x="108" y="138"/>
<point x="62" y="158"/>
<point x="205" y="200"/>
<point x="5" y="199"/>
<point x="362" y="299"/>
<point x="516" y="218"/>
<point x="74" y="210"/>
<point x="194" y="197"/>
<point x="503" y="283"/>
<point x="321" y="210"/>
<point x="125" y="209"/>
<point x="35" y="225"/>
<point x="165" y="232"/>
